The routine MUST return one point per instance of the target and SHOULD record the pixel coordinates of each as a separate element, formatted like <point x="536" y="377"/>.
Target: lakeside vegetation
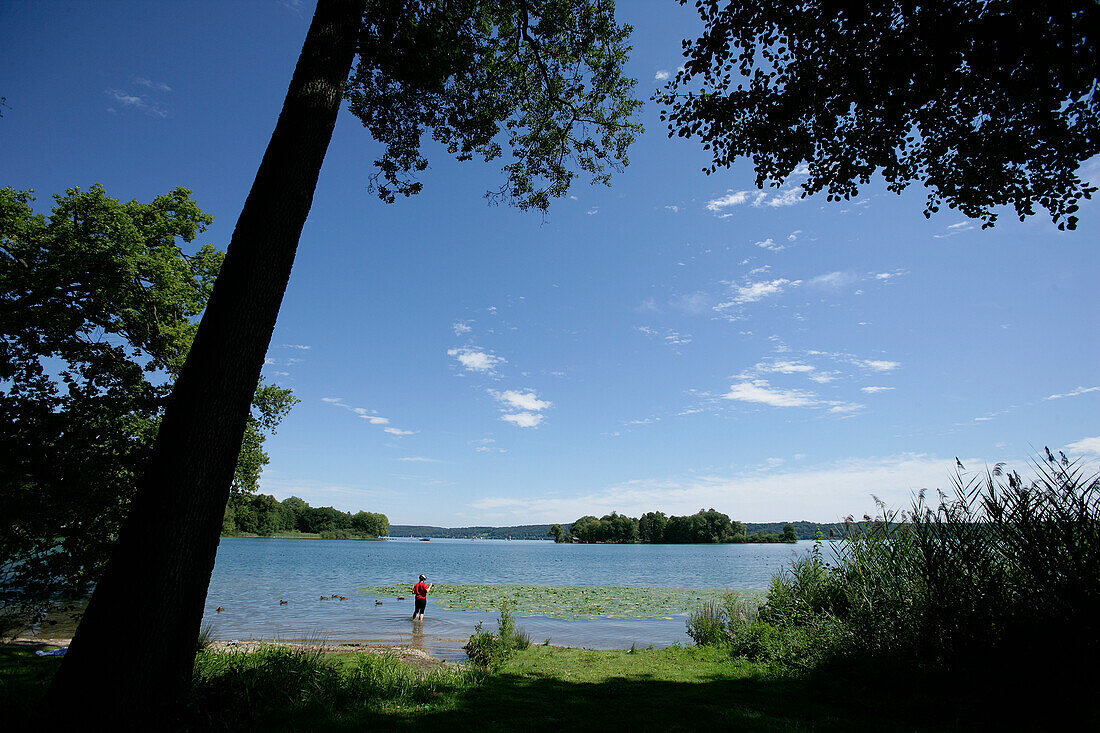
<point x="703" y="527"/>
<point x="803" y="530"/>
<point x="996" y="587"/>
<point x="928" y="619"/>
<point x="564" y="601"/>
<point x="265" y="516"/>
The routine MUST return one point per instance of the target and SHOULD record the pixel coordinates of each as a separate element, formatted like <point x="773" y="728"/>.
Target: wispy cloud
<point x="759" y="391"/>
<point x="487" y="445"/>
<point x="141" y="102"/>
<point x="784" y="197"/>
<point x="419" y="459"/>
<point x="833" y="280"/>
<point x="1085" y="445"/>
<point x="770" y="245"/>
<point x="752" y="292"/>
<point x="1073" y="393"/>
<point x="363" y="413"/>
<point x="399" y="431"/>
<point x="669" y="337"/>
<point x="875" y="390"/>
<point x="474" y="359"/>
<point x="660" y="75"/>
<point x="820" y="493"/>
<point x="158" y="86"/>
<point x="461" y="327"/>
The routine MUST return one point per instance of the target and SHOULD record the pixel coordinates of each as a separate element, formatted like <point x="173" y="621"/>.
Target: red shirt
<point x="421" y="589"/>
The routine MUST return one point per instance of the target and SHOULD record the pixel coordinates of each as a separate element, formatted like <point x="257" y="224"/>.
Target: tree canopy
<point x="545" y="74"/>
<point x="987" y="103"/>
<point x="98" y="305"/>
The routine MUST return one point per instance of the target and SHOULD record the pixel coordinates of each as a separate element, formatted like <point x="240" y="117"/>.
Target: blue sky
<point x="674" y="342"/>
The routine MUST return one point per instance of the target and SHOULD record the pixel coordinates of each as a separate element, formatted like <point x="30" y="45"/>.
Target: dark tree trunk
<point x="133" y="652"/>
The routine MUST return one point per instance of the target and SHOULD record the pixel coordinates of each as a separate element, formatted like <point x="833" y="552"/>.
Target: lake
<point x="252" y="575"/>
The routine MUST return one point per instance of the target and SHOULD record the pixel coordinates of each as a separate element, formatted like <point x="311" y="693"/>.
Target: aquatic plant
<point x="565" y="602"/>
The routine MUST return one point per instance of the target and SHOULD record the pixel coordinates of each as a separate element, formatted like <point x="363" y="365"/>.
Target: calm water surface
<point x="251" y="576"/>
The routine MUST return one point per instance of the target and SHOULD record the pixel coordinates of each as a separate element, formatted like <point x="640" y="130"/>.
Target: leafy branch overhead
<point x="987" y="103"/>
<point x="546" y="76"/>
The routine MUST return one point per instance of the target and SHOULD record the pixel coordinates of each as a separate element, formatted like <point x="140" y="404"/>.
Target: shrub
<point x="491" y="651"/>
<point x="707" y="625"/>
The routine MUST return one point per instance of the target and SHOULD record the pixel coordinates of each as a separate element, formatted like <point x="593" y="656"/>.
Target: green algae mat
<point x="564" y="601"/>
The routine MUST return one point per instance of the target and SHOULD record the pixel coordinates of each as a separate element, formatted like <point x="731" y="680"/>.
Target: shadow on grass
<point x="538" y="702"/>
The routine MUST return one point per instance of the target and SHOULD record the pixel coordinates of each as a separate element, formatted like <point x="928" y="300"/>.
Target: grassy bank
<point x="541" y="688"/>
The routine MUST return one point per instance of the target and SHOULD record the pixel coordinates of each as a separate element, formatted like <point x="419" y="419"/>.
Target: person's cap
<point x="423" y="577"/>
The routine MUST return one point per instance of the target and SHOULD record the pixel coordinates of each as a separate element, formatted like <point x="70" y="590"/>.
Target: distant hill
<point x="524" y="532"/>
<point x="804" y="530"/>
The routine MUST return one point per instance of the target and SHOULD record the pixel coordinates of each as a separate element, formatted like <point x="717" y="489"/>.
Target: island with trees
<point x="655" y="528"/>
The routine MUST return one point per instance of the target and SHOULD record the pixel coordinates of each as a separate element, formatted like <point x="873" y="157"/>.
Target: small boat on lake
<point x="425" y="539"/>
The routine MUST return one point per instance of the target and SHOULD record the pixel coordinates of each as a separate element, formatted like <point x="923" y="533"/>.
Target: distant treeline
<point x="525" y="532"/>
<point x="802" y="531"/>
<point x="265" y="515"/>
<point x="703" y="527"/>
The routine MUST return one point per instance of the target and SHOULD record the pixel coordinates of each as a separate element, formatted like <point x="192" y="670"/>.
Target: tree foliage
<point x="545" y="74"/>
<point x="265" y="515"/>
<point x="98" y="304"/>
<point x="987" y="103"/>
<point x="704" y="527"/>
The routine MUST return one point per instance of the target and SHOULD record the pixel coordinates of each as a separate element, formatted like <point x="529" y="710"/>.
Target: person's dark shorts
<point x="419" y="605"/>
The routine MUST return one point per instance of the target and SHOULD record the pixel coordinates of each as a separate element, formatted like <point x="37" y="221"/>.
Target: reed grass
<point x="1000" y="573"/>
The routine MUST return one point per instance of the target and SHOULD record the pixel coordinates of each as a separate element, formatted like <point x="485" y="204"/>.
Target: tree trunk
<point x="133" y="652"/>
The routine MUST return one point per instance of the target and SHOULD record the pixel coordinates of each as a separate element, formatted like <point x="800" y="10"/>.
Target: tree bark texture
<point x="134" y="650"/>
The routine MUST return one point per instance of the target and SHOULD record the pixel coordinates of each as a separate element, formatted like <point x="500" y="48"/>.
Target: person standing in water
<point x="420" y="593"/>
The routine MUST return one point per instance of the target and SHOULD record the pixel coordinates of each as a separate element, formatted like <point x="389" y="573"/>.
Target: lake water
<point x="252" y="575"/>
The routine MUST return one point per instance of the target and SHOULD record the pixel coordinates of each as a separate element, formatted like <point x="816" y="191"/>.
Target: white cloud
<point x="674" y="209"/>
<point x="832" y="280"/>
<point x="794" y="235"/>
<point x="593" y="210"/>
<point x="419" y="459"/>
<point x="517" y="400"/>
<point x="770" y="245"/>
<point x="126" y="100"/>
<point x="1073" y="393"/>
<point x="759" y="391"/>
<point x="752" y="292"/>
<point x="461" y="327"/>
<point x="149" y="84"/>
<point x="823" y="493"/>
<point x="301" y="347"/>
<point x="789" y="197"/>
<point x="1086" y="445"/>
<point x="475" y="360"/>
<point x="670" y="337"/>
<point x="136" y="101"/>
<point x="398" y="431"/>
<point x="878" y="365"/>
<point x="788" y="367"/>
<point x="732" y="198"/>
<point x="370" y="416"/>
<point x="523" y="419"/>
<point x="875" y="390"/>
<point x="661" y="75"/>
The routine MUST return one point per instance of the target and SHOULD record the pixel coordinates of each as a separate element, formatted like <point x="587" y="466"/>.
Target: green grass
<point x="564" y="601"/>
<point x="541" y="688"/>
<point x="23" y="681"/>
